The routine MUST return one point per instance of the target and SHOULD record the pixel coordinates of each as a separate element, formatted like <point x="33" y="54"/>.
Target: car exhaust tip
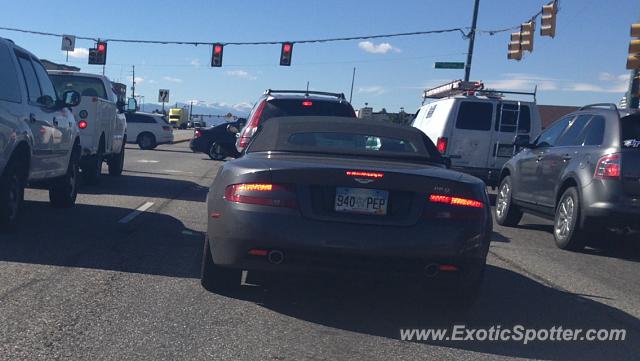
<point x="431" y="270"/>
<point x="275" y="257"/>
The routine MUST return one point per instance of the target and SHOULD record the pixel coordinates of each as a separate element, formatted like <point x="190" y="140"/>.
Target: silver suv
<point x="39" y="141"/>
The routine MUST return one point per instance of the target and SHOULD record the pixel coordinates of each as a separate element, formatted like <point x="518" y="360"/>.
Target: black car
<point x="293" y="103"/>
<point x="218" y="141"/>
<point x="583" y="171"/>
<point x="331" y="193"/>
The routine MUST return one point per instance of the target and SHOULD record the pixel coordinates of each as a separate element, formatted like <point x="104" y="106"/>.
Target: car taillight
<point x="83" y="124"/>
<point x="364" y="174"/>
<point x="609" y="167"/>
<point x="252" y="126"/>
<point x="441" y="144"/>
<point x="264" y="194"/>
<point x="307" y="103"/>
<point x="197" y="133"/>
<point x="455" y="201"/>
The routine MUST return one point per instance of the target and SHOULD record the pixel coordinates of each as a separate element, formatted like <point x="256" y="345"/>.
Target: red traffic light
<point x="286" y="47"/>
<point x="216" y="57"/>
<point x="217" y="49"/>
<point x="102" y="47"/>
<point x="285" y="54"/>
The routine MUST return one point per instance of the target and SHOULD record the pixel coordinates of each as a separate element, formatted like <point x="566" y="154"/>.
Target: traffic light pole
<point x="472" y="39"/>
<point x="633" y="101"/>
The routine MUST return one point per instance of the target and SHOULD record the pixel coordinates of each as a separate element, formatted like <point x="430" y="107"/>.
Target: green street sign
<point x="448" y="65"/>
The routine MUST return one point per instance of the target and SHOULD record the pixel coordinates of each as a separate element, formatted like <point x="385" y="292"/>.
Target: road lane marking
<point x="175" y="171"/>
<point x="129" y="217"/>
<point x="148" y="161"/>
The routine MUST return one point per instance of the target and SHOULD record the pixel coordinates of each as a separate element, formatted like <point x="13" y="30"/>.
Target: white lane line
<point x="148" y="161"/>
<point x="129" y="217"/>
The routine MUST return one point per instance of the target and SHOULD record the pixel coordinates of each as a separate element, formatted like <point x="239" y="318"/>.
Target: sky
<point x="584" y="63"/>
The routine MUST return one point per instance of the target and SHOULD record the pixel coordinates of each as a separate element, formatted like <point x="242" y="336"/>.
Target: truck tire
<point x="92" y="169"/>
<point x="64" y="190"/>
<point x="116" y="163"/>
<point x="147" y="141"/>
<point x="12" y="185"/>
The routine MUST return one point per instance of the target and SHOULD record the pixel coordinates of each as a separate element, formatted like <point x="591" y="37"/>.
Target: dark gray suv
<point x="584" y="171"/>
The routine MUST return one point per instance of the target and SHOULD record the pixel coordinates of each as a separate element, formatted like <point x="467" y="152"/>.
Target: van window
<point x="593" y="133"/>
<point x="30" y="78"/>
<point x="550" y="135"/>
<point x="85" y="85"/>
<point x="475" y="116"/>
<point x="10" y="90"/>
<point x="571" y="136"/>
<point x="510" y="119"/>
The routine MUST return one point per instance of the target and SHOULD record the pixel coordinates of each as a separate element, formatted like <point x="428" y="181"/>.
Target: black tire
<point x="147" y="141"/>
<point x="12" y="185"/>
<point x="116" y="163"/>
<point x="566" y="226"/>
<point x="215" y="278"/>
<point x="216" y="152"/>
<point x="64" y="190"/>
<point x="507" y="213"/>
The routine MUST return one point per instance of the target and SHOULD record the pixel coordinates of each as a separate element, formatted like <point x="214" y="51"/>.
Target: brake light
<point x="365" y="174"/>
<point x="608" y="167"/>
<point x="264" y="194"/>
<point x="83" y="124"/>
<point x="455" y="201"/>
<point x="441" y="144"/>
<point x="252" y="126"/>
<point x="307" y="103"/>
<point x="196" y="133"/>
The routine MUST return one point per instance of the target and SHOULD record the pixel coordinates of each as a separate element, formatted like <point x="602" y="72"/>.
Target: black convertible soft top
<point x="276" y="135"/>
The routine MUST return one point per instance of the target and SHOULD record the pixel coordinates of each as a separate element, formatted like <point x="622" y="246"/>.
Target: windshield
<point x="86" y="86"/>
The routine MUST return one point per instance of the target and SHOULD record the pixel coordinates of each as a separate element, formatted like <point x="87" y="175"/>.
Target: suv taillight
<point x="609" y="167"/>
<point x="264" y="194"/>
<point x="196" y="133"/>
<point x="441" y="144"/>
<point x="252" y="126"/>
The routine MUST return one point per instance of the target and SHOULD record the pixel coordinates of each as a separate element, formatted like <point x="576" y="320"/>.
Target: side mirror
<point x="231" y="129"/>
<point x="132" y="105"/>
<point x="70" y="98"/>
<point x="522" y="141"/>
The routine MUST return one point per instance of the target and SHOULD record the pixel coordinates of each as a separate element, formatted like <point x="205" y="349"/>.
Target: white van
<point x="476" y="128"/>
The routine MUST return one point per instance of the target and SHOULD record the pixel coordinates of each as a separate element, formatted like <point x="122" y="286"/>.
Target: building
<point x="550" y="113"/>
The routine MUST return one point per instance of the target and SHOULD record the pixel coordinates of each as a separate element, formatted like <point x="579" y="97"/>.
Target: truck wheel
<point x="507" y="213"/>
<point x="215" y="278"/>
<point x="216" y="152"/>
<point x="147" y="141"/>
<point x="11" y="196"/>
<point x="566" y="227"/>
<point x="116" y="163"/>
<point x="64" y="190"/>
<point x="92" y="169"/>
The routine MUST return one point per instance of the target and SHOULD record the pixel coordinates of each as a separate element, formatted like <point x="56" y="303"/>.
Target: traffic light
<point x="526" y="36"/>
<point x="98" y="55"/>
<point x="285" y="54"/>
<point x="216" y="58"/>
<point x="548" y="22"/>
<point x="515" y="47"/>
<point x="633" y="60"/>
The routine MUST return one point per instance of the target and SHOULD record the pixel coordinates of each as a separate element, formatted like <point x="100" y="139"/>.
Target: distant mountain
<point x="205" y="108"/>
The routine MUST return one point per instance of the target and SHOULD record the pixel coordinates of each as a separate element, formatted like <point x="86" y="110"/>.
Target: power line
<point x="196" y="43"/>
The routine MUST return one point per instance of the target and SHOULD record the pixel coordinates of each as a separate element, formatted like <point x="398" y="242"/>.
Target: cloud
<point x="139" y="79"/>
<point x="609" y="83"/>
<point x="242" y="74"/>
<point x="195" y="62"/>
<point x="172" y="79"/>
<point x="151" y="81"/>
<point x="78" y="53"/>
<point x="381" y="48"/>
<point x="372" y="90"/>
<point x="522" y="82"/>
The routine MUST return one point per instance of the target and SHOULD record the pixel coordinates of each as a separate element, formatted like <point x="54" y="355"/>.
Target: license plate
<point x="361" y="200"/>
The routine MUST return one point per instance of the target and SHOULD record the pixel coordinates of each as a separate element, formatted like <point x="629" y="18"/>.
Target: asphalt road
<point x="85" y="284"/>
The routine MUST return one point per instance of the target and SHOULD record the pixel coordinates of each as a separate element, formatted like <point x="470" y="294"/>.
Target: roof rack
<point x="472" y="88"/>
<point x="306" y="93"/>
<point x="598" y="105"/>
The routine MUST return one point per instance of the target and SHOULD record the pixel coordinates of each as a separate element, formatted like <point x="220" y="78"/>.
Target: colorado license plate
<point x="361" y="200"/>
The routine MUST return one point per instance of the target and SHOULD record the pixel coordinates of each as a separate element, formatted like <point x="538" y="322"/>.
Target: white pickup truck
<point x="100" y="119"/>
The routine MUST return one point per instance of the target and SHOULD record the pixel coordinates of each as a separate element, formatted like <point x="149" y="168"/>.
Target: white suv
<point x="39" y="141"/>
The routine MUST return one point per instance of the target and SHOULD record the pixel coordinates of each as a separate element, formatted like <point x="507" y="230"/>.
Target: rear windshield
<point x="630" y="128"/>
<point x="86" y="86"/>
<point x="306" y="107"/>
<point x="343" y="142"/>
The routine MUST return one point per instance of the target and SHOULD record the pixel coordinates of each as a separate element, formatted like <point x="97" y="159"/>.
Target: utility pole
<point x="133" y="78"/>
<point x="632" y="99"/>
<point x="353" y="79"/>
<point x="472" y="39"/>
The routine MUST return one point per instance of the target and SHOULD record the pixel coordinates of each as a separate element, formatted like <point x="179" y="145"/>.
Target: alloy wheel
<point x="502" y="202"/>
<point x="564" y="223"/>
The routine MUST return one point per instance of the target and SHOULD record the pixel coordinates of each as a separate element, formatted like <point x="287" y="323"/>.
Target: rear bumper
<point x="309" y="244"/>
<point x="614" y="214"/>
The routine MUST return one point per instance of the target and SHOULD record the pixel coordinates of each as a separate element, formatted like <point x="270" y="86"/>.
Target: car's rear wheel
<point x="216" y="152"/>
<point x="215" y="278"/>
<point x="507" y="213"/>
<point x="116" y="163"/>
<point x="64" y="190"/>
<point x="566" y="227"/>
<point x="11" y="197"/>
<point x="147" y="141"/>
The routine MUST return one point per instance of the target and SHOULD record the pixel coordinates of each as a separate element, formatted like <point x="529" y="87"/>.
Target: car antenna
<point x="307" y="93"/>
